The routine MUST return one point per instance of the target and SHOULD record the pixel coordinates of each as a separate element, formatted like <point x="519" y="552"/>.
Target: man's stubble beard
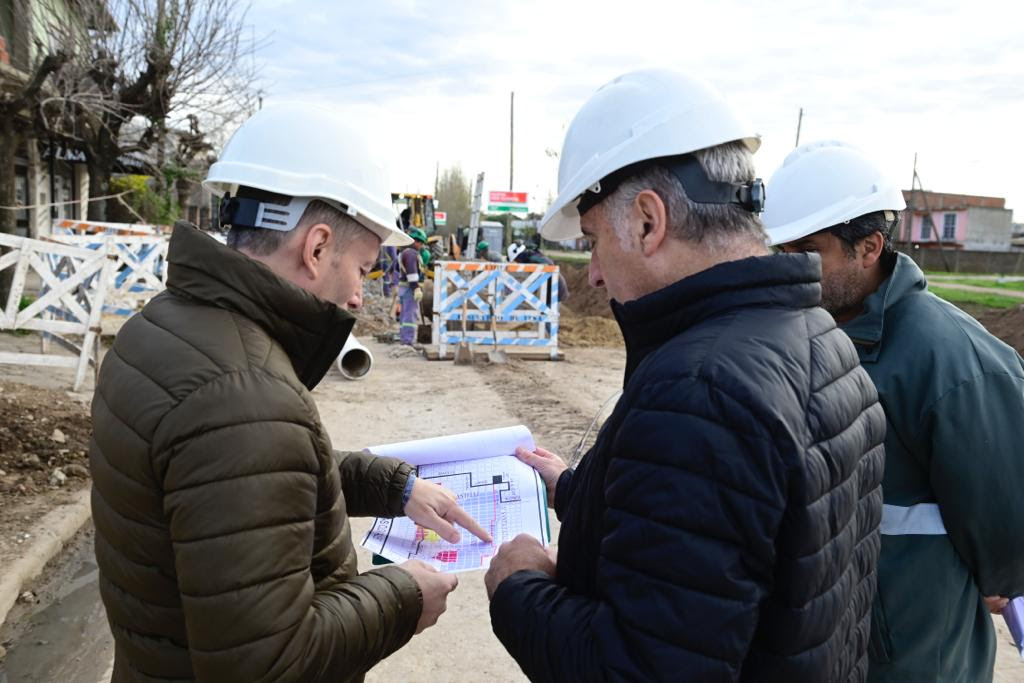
<point x="840" y="291"/>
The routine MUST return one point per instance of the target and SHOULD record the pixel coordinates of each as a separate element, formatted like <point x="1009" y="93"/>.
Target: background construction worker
<point x="387" y="266"/>
<point x="514" y="249"/>
<point x="410" y="290"/>
<point x="953" y="396"/>
<point x="531" y="253"/>
<point x="483" y="252"/>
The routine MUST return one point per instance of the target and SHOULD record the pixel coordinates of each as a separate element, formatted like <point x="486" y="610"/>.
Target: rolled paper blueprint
<point x="470" y="446"/>
<point x="1013" y="613"/>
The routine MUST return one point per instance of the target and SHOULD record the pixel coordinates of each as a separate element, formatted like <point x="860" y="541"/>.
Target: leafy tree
<point x="454" y="196"/>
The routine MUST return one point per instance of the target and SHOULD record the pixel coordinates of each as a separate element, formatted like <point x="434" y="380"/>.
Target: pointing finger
<point x="466" y="521"/>
<point x="442" y="527"/>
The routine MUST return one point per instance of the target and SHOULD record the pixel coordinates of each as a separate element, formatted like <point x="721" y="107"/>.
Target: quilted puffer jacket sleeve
<point x="372" y="484"/>
<point x="240" y="499"/>
<point x="682" y="484"/>
<point x="979" y="492"/>
<point x="563" y="491"/>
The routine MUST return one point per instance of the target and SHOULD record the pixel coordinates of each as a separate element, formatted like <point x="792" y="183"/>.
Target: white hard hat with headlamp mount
<point x="287" y="155"/>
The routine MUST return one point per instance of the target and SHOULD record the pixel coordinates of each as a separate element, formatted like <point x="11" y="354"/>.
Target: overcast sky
<point x="430" y="81"/>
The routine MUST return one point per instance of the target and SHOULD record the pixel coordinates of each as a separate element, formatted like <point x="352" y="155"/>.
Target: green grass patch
<point x="576" y="258"/>
<point x="949" y="273"/>
<point x="1015" y="285"/>
<point x="957" y="296"/>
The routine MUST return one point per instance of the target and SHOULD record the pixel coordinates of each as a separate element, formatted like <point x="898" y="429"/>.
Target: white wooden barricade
<point x="141" y="251"/>
<point x="72" y="295"/>
<point x="521" y="294"/>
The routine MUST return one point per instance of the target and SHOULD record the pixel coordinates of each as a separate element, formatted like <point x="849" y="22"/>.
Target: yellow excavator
<point x="417" y="211"/>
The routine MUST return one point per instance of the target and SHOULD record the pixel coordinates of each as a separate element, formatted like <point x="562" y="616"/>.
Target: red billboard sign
<point x="499" y="197"/>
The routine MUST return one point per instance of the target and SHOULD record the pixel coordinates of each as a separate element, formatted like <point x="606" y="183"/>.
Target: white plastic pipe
<point x="355" y="360"/>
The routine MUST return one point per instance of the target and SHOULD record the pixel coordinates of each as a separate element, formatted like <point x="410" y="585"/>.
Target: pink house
<point x="961" y="221"/>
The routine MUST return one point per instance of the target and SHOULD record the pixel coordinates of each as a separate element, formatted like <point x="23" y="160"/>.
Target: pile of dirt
<point x="585" y="300"/>
<point x="44" y="440"/>
<point x="1007" y="324"/>
<point x="376" y="315"/>
<point x="584" y="331"/>
<point x="374" y="318"/>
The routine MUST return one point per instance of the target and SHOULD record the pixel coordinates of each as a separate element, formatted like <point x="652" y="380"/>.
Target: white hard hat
<point x="305" y="152"/>
<point x="640" y="115"/>
<point x="822" y="184"/>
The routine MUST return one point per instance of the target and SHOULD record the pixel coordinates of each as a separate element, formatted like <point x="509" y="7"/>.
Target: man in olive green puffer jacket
<point x="221" y="510"/>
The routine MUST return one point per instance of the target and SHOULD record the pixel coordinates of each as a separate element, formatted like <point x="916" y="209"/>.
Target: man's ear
<point x="654" y="221"/>
<point x="315" y="248"/>
<point x="870" y="249"/>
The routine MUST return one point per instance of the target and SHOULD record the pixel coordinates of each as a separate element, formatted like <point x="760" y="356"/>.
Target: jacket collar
<point x="310" y="330"/>
<point x="786" y="280"/>
<point x="866" y="329"/>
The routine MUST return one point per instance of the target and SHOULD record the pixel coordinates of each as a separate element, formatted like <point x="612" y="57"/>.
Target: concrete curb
<point x="48" y="536"/>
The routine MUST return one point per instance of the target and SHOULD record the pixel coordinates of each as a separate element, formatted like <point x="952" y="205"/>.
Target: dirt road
<point x="404" y="397"/>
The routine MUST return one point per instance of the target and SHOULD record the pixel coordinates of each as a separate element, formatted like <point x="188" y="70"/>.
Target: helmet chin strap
<point x="687" y="169"/>
<point x="268" y="210"/>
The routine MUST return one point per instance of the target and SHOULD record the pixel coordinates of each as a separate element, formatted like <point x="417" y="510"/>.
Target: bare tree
<point x="454" y="196"/>
<point x="168" y="63"/>
<point x="193" y="151"/>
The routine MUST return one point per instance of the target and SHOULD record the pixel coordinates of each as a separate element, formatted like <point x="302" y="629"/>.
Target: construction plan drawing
<point x="503" y="494"/>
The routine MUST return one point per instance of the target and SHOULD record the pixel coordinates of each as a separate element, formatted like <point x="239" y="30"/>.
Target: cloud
<point x="431" y="81"/>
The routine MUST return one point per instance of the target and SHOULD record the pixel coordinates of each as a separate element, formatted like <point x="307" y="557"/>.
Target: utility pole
<point x="511" y="135"/>
<point x="474" y="217"/>
<point x="918" y="186"/>
<point x="511" y="141"/>
<point x="910" y="214"/>
<point x="799" y="121"/>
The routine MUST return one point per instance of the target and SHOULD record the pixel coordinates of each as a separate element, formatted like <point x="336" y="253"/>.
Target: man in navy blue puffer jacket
<point x="725" y="524"/>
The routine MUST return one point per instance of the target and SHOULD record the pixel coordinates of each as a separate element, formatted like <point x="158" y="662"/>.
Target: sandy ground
<point x="403" y="397"/>
<point x="556" y="400"/>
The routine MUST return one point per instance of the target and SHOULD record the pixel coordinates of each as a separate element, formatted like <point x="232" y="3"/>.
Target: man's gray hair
<point x="264" y="242"/>
<point x="715" y="226"/>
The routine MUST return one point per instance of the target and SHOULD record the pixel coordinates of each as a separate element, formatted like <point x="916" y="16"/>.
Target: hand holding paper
<point x="521" y="553"/>
<point x="548" y="465"/>
<point x="996" y="604"/>
<point x="434" y="587"/>
<point x="1013" y="613"/>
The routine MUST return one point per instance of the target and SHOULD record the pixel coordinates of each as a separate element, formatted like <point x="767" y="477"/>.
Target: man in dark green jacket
<point x="221" y="510"/>
<point x="953" y="395"/>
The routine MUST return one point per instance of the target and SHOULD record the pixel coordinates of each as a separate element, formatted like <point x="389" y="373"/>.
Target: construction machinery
<point x="421" y="211"/>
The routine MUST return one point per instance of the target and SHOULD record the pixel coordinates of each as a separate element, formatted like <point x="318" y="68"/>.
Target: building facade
<point x="958" y="221"/>
<point x="50" y="175"/>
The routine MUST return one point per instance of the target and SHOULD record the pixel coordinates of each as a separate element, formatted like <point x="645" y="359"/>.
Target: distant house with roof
<point x="959" y="221"/>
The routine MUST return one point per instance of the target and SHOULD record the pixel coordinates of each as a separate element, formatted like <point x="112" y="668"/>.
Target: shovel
<point x="463" y="354"/>
<point x="497" y="355"/>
